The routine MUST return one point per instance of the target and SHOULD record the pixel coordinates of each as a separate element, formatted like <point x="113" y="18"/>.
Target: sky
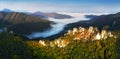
<point x="81" y="6"/>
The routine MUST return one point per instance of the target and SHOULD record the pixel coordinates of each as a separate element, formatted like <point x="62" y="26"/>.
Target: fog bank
<point x="60" y="24"/>
<point x="56" y="28"/>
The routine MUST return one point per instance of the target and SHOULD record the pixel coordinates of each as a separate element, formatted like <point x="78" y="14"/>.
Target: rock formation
<point x="79" y="34"/>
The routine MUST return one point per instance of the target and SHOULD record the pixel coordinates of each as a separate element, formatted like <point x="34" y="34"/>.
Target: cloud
<point x="56" y="28"/>
<point x="60" y="24"/>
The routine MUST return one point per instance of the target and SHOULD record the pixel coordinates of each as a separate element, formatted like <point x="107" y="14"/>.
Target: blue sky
<point x="88" y="6"/>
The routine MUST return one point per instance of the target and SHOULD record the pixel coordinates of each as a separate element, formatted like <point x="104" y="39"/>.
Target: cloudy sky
<point x="85" y="6"/>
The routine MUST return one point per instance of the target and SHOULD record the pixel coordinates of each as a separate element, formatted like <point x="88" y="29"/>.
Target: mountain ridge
<point x="23" y="23"/>
<point x="52" y="15"/>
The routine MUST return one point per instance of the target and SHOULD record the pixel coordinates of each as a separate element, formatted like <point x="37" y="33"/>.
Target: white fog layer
<point x="60" y="24"/>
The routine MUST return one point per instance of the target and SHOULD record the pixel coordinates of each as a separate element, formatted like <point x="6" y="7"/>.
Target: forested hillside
<point x="22" y="23"/>
<point x="73" y="44"/>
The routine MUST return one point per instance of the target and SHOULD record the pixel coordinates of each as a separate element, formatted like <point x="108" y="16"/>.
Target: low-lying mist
<point x="57" y="27"/>
<point x="59" y="24"/>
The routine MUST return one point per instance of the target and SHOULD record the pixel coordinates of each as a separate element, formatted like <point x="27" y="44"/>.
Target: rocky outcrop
<point x="79" y="34"/>
<point x="90" y="33"/>
<point x="61" y="43"/>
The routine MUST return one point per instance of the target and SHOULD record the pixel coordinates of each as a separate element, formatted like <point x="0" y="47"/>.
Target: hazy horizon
<point x="81" y="6"/>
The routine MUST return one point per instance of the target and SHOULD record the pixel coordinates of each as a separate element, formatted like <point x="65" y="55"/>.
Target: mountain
<point x="53" y="15"/>
<point x="23" y="23"/>
<point x="17" y="18"/>
<point x="39" y="14"/>
<point x="6" y="10"/>
<point x="112" y="21"/>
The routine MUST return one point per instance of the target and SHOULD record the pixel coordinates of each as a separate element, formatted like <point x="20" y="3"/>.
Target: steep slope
<point x="22" y="23"/>
<point x="111" y="21"/>
<point x="2" y="16"/>
<point x="17" y="18"/>
<point x="78" y="43"/>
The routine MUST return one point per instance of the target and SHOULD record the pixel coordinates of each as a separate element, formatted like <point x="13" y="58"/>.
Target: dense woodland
<point x="15" y="47"/>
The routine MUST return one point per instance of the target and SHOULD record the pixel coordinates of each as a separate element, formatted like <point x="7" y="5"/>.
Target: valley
<point x="33" y="27"/>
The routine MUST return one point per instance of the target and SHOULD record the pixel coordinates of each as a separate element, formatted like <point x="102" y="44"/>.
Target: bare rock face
<point x="76" y="35"/>
<point x="61" y="43"/>
<point x="90" y="33"/>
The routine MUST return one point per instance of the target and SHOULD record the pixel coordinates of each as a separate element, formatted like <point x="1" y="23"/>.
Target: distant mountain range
<point x="26" y="23"/>
<point x="6" y="10"/>
<point x="42" y="14"/>
<point x="111" y="21"/>
<point x="23" y="23"/>
<point x="52" y="15"/>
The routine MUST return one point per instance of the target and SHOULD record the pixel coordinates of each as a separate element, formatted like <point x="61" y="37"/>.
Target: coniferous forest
<point x="15" y="47"/>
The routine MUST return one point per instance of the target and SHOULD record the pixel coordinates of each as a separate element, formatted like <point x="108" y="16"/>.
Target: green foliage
<point x="118" y="44"/>
<point x="13" y="47"/>
<point x="103" y="49"/>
